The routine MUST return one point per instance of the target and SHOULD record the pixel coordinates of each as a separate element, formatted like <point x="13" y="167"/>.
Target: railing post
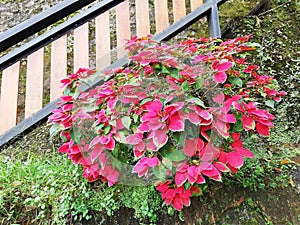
<point x="213" y="20"/>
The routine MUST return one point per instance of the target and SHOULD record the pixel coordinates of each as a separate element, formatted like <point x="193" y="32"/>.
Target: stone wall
<point x="13" y="12"/>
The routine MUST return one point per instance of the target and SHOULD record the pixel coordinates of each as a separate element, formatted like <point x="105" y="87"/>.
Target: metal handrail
<point x="51" y="35"/>
<point x="39" y="22"/>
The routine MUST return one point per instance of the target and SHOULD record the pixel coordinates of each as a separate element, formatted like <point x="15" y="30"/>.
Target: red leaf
<point x="224" y="66"/>
<point x="200" y="179"/>
<point x="152" y="162"/>
<point x="262" y="129"/>
<point x="219" y="98"/>
<point x="137" y="153"/>
<point x="248" y="123"/>
<point x="162" y="187"/>
<point x="221" y="167"/>
<point x="170" y="193"/>
<point x="186" y="201"/>
<point x="160" y="138"/>
<point x="235" y="136"/>
<point x="245" y="152"/>
<point x="134" y="139"/>
<point x="194" y="118"/>
<point x="110" y="145"/>
<point x="176" y="123"/>
<point x="180" y="178"/>
<point x="212" y="173"/>
<point x="95" y="153"/>
<point x="143" y="127"/>
<point x="64" y="148"/>
<point x="205" y="166"/>
<point x="204" y="114"/>
<point x="193" y="172"/>
<point x="220" y="77"/>
<point x="209" y="153"/>
<point x="223" y="157"/>
<point x="235" y="159"/>
<point x="228" y="118"/>
<point x="177" y="203"/>
<point x="189" y="147"/>
<point x="195" y="190"/>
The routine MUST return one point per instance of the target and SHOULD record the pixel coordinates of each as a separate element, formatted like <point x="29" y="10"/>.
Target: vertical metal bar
<point x="213" y="20"/>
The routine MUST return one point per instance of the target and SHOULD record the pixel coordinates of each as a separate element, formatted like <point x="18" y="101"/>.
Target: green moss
<point x="144" y="200"/>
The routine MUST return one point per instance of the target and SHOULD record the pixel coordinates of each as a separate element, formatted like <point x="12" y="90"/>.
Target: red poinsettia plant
<point x="176" y="116"/>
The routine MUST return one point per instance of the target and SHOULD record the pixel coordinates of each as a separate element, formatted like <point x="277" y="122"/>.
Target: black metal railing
<point x="39" y="22"/>
<point x="209" y="9"/>
<point x="13" y="36"/>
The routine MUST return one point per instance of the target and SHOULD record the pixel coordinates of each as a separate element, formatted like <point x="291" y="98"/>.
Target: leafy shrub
<point x="41" y="188"/>
<point x="174" y="118"/>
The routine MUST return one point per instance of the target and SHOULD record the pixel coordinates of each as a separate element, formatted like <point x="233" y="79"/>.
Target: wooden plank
<point x="34" y="82"/>
<point x="58" y="66"/>
<point x="196" y="4"/>
<point x="103" y="56"/>
<point x="122" y="26"/>
<point x="142" y="17"/>
<point x="161" y="15"/>
<point x="179" y="9"/>
<point x="81" y="47"/>
<point x="9" y="97"/>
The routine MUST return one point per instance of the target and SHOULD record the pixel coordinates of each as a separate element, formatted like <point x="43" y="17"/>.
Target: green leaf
<point x="176" y="156"/>
<point x="199" y="83"/>
<point x="55" y="129"/>
<point x="237" y="81"/>
<point x="115" y="152"/>
<point x="126" y="121"/>
<point x="160" y="172"/>
<point x="182" y="138"/>
<point x="270" y="103"/>
<point x="142" y="74"/>
<point x="98" y="127"/>
<point x="162" y="100"/>
<point x="134" y="81"/>
<point x="75" y="135"/>
<point x="185" y="86"/>
<point x="167" y="163"/>
<point x="135" y="117"/>
<point x="174" y="73"/>
<point x="238" y="126"/>
<point x="106" y="130"/>
<point x="145" y="101"/>
<point x="187" y="185"/>
<point x="122" y="136"/>
<point x="176" y="136"/>
<point x="164" y="70"/>
<point x="197" y="101"/>
<point x="113" y="123"/>
<point x="90" y="108"/>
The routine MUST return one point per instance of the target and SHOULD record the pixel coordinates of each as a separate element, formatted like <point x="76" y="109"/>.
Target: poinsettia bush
<point x="175" y="117"/>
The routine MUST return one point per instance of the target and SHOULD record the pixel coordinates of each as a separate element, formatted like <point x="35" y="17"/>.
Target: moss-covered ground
<point x="40" y="186"/>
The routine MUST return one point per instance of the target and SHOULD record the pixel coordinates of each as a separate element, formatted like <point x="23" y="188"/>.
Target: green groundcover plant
<point x="175" y="117"/>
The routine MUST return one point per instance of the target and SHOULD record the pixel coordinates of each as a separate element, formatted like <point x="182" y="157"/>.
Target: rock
<point x="13" y="12"/>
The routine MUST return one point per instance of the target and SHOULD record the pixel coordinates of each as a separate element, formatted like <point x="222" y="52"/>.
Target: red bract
<point x="177" y="196"/>
<point x="255" y="118"/>
<point x="175" y="115"/>
<point x="80" y="74"/>
<point x="142" y="166"/>
<point x="221" y="68"/>
<point x="274" y="94"/>
<point x="188" y="173"/>
<point x="62" y="116"/>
